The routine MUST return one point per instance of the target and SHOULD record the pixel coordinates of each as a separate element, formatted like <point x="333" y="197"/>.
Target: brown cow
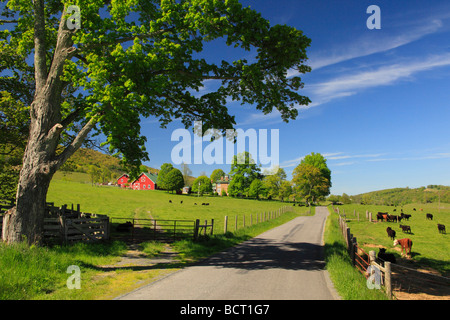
<point x="406" y="244"/>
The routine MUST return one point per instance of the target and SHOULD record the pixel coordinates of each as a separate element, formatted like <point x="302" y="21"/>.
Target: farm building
<point x="123" y="181"/>
<point x="221" y="185"/>
<point x="186" y="190"/>
<point x="145" y="181"/>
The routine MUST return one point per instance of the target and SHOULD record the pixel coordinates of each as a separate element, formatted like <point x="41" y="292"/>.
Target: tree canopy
<point x="128" y="60"/>
<point x="312" y="178"/>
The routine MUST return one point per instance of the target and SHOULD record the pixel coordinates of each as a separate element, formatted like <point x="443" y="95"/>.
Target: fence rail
<point x="152" y="229"/>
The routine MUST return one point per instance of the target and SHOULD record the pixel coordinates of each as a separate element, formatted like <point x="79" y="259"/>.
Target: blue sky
<point x="380" y="110"/>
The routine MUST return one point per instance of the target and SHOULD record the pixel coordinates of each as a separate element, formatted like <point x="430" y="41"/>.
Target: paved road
<point x="281" y="264"/>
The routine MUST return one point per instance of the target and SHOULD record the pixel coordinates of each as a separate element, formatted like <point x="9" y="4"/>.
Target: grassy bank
<point x="347" y="280"/>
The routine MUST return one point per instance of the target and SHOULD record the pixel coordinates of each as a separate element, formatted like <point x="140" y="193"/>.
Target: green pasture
<point x="146" y="204"/>
<point x="430" y="248"/>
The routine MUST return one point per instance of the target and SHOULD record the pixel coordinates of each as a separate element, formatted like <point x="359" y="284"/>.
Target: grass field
<point x="125" y="203"/>
<point x="430" y="248"/>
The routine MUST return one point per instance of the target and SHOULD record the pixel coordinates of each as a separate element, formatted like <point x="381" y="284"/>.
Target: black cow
<point x="441" y="228"/>
<point x="383" y="256"/>
<point x="390" y="233"/>
<point x="429" y="216"/>
<point x="405" y="216"/>
<point x="405" y="228"/>
<point x="124" y="227"/>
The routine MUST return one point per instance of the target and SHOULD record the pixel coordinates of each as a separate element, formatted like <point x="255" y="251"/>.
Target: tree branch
<point x="74" y="146"/>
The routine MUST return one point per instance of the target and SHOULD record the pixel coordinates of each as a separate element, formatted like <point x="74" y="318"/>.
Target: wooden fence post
<point x="196" y="226"/>
<point x="225" y="224"/>
<point x="212" y="226"/>
<point x="387" y="279"/>
<point x="235" y="222"/>
<point x="354" y="248"/>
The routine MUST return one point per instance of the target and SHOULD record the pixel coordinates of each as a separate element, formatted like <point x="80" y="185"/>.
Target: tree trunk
<point x="25" y="221"/>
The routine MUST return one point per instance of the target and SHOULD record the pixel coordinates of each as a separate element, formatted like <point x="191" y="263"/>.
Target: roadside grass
<point x="31" y="272"/>
<point x="347" y="280"/>
<point x="430" y="248"/>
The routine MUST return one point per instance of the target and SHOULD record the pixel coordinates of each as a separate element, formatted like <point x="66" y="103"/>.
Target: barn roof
<point x="151" y="176"/>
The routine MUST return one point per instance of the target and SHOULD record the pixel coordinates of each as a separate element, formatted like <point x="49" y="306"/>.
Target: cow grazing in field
<point x="429" y="216"/>
<point x="382" y="216"/>
<point x="394" y="218"/>
<point x="390" y="233"/>
<point x="181" y="201"/>
<point x="124" y="227"/>
<point x="441" y="228"/>
<point x="414" y="209"/>
<point x="383" y="256"/>
<point x="406" y="244"/>
<point x="170" y="201"/>
<point x="405" y="216"/>
<point x="405" y="228"/>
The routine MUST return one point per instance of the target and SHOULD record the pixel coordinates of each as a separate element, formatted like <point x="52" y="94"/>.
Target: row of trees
<point x="311" y="179"/>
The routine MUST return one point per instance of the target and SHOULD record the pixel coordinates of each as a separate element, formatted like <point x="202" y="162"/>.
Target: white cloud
<point x="370" y="45"/>
<point x="386" y="75"/>
<point x="441" y="155"/>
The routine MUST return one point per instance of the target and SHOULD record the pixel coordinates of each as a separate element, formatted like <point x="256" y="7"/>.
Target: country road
<point x="284" y="263"/>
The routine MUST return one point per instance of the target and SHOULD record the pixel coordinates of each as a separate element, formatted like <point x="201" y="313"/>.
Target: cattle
<point x="414" y="209"/>
<point x="429" y="216"/>
<point x="383" y="256"/>
<point x="181" y="201"/>
<point x="170" y="201"/>
<point x="124" y="227"/>
<point x="406" y="244"/>
<point x="394" y="218"/>
<point x="405" y="216"/>
<point x="382" y="215"/>
<point x="390" y="233"/>
<point x="405" y="228"/>
<point x="441" y="228"/>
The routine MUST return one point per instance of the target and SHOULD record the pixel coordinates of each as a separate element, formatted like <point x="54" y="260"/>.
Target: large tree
<point x="128" y="59"/>
<point x="243" y="171"/>
<point x="312" y="177"/>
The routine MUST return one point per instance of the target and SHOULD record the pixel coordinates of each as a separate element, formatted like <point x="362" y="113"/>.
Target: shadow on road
<point x="266" y="254"/>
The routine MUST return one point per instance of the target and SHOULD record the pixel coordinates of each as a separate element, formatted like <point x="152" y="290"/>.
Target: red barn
<point x="145" y="181"/>
<point x="123" y="181"/>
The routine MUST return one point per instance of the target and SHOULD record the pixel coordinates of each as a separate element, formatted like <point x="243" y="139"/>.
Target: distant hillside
<point x="83" y="159"/>
<point x="109" y="167"/>
<point x="398" y="196"/>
